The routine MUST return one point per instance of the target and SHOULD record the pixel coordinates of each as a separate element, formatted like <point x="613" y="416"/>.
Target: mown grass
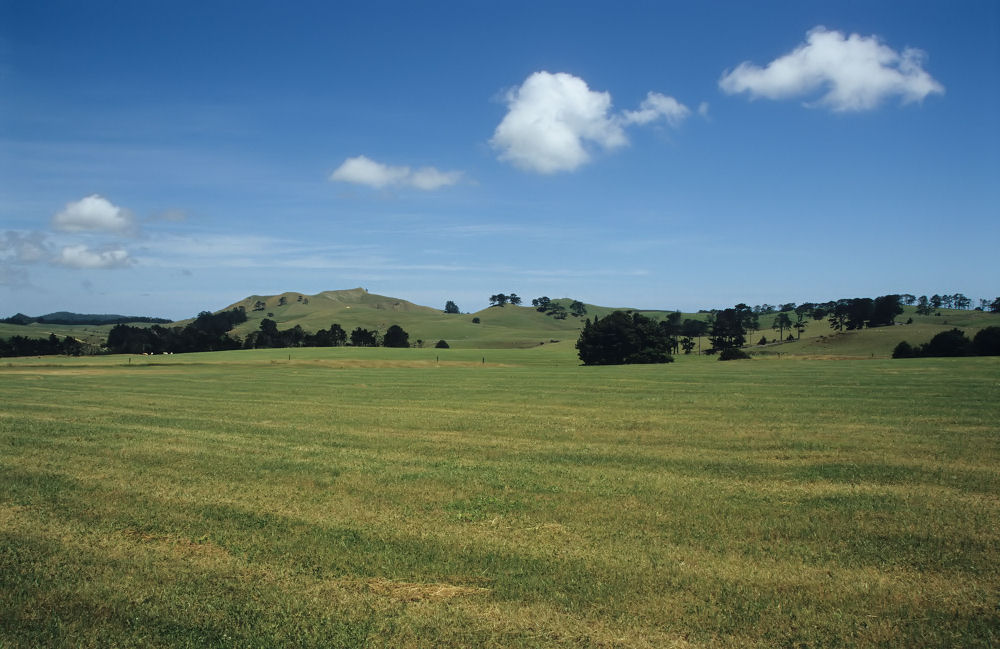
<point x="418" y="498"/>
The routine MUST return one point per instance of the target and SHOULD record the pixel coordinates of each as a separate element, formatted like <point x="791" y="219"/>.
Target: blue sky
<point x="164" y="158"/>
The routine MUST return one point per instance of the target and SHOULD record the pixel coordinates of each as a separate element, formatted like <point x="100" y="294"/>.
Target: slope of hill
<point x="509" y="326"/>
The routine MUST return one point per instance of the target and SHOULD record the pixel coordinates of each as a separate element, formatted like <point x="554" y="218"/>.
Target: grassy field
<point x="498" y="498"/>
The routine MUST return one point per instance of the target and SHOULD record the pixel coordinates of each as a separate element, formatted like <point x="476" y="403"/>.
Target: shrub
<point x="442" y="344"/>
<point x="475" y="320"/>
<point x="904" y="350"/>
<point x="948" y="343"/>
<point x="762" y="341"/>
<point x="733" y="354"/>
<point x="987" y="342"/>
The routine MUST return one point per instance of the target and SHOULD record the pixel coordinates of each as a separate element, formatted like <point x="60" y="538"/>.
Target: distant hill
<point x="352" y="308"/>
<point x="68" y="318"/>
<point x="503" y="327"/>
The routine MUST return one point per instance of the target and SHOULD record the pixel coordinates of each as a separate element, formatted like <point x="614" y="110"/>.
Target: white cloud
<point x="362" y="170"/>
<point x="856" y="73"/>
<point x="656" y="106"/>
<point x="549" y="118"/>
<point x="23" y="248"/>
<point x="553" y="118"/>
<point x="93" y="213"/>
<point x="80" y="256"/>
<point x="429" y="178"/>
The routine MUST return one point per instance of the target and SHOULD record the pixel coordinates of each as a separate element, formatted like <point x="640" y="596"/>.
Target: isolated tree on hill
<point x="839" y="315"/>
<point x="781" y="322"/>
<point x="395" y="337"/>
<point x="541" y="303"/>
<point x="799" y="328"/>
<point x="623" y="338"/>
<point x="923" y="306"/>
<point x="451" y="307"/>
<point x="500" y="299"/>
<point x="514" y="299"/>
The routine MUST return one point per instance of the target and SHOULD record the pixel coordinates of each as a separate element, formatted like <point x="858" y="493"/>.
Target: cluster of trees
<point x="953" y="343"/>
<point x="502" y="300"/>
<point x="623" y="338"/>
<point x="51" y="346"/>
<point x="926" y="306"/>
<point x="543" y="304"/>
<point x="208" y="332"/>
<point x="269" y="336"/>
<point x="861" y="312"/>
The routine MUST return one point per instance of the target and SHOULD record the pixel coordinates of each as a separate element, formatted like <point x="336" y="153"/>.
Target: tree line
<point x="953" y="343"/>
<point x="51" y="346"/>
<point x="210" y="332"/>
<point x="626" y="337"/>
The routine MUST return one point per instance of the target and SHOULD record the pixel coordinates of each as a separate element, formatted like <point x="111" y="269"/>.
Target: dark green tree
<point x="923" y="306"/>
<point x="987" y="342"/>
<point x="904" y="350"/>
<point x="396" y="337"/>
<point x="884" y="310"/>
<point x="728" y="330"/>
<point x="578" y="309"/>
<point x="541" y="303"/>
<point x="451" y="307"/>
<point x="623" y="338"/>
<point x="948" y="343"/>
<point x="441" y="344"/>
<point x="781" y="322"/>
<point x="362" y="337"/>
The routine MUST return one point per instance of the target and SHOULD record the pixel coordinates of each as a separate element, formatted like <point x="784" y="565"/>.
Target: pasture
<point x="501" y="498"/>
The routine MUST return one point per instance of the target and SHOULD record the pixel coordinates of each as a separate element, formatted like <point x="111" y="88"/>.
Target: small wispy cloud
<point x="362" y="170"/>
<point x="80" y="256"/>
<point x="854" y="73"/>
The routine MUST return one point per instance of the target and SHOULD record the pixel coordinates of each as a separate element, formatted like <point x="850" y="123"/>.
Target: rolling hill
<point x="523" y="327"/>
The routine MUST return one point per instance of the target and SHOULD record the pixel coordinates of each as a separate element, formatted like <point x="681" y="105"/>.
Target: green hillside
<point x="512" y="327"/>
<point x="92" y="334"/>
<point x="523" y="326"/>
<point x="508" y="326"/>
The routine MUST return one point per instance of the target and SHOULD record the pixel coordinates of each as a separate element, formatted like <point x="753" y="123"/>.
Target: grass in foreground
<point x="415" y="498"/>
